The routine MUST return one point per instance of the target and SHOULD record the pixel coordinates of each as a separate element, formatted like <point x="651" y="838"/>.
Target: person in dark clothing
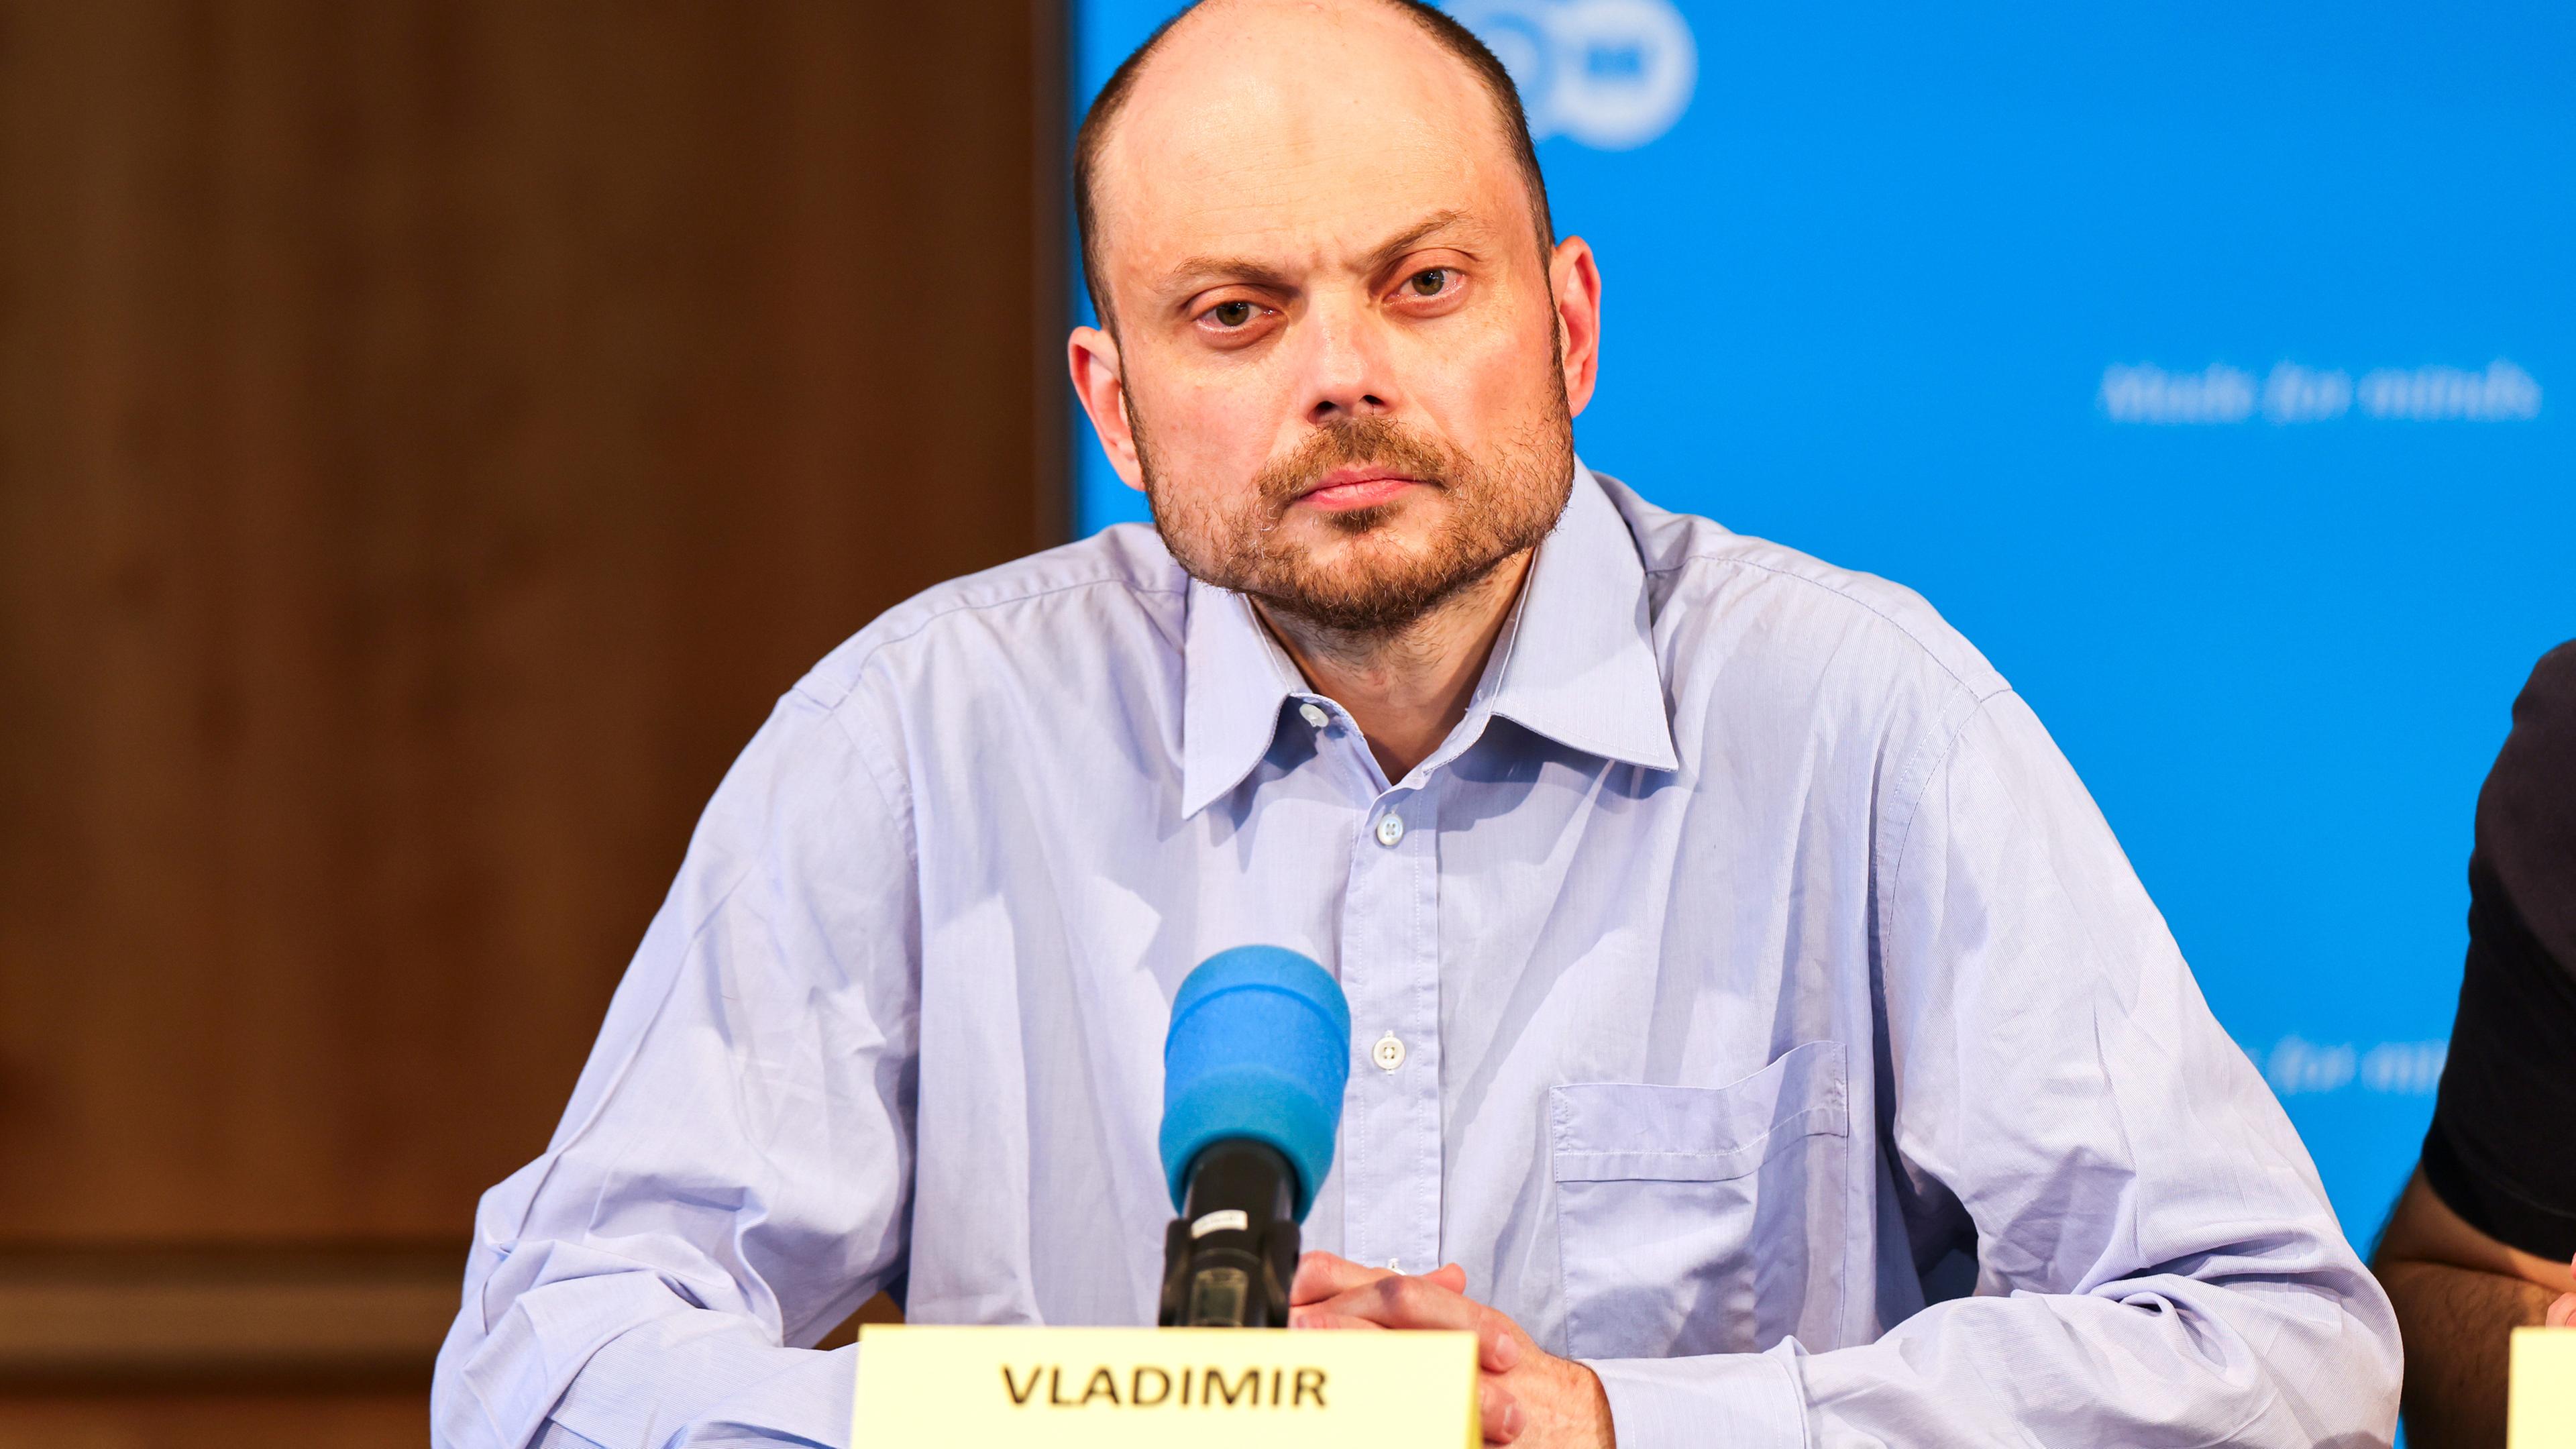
<point x="2482" y="1238"/>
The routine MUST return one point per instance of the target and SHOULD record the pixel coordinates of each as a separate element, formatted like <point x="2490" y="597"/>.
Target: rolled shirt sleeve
<point x="731" y="1175"/>
<point x="2157" y="1260"/>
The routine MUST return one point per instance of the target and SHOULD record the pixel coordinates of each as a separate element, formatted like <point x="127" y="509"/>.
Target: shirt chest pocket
<point x="1695" y="1220"/>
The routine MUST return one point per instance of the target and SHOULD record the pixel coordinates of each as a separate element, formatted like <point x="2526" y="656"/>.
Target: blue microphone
<point x="1253" y="1069"/>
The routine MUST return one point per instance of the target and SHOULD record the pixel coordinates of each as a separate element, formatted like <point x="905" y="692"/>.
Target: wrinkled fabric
<point x="1782" y="1031"/>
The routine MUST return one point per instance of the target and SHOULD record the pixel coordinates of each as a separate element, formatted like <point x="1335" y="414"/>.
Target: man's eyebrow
<point x="1193" y="273"/>
<point x="1197" y="272"/>
<point x="1413" y="236"/>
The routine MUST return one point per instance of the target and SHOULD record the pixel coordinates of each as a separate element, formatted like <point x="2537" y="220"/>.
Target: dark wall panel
<point x="431" y="434"/>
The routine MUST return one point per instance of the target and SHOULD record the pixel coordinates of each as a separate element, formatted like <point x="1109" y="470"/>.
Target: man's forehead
<point x="1299" y="131"/>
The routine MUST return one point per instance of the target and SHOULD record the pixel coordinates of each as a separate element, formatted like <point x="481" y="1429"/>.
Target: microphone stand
<point x="1229" y="1257"/>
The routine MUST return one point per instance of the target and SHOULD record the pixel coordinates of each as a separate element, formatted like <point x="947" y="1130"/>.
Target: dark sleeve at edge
<point x="2498" y="1152"/>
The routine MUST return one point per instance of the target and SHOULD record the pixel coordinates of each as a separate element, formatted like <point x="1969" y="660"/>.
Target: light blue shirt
<point x="1747" y="970"/>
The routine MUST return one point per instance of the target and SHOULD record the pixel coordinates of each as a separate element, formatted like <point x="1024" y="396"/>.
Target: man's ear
<point x="1092" y="357"/>
<point x="1574" y="284"/>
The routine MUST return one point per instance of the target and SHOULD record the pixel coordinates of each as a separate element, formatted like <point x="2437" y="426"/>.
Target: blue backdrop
<point x="2203" y="363"/>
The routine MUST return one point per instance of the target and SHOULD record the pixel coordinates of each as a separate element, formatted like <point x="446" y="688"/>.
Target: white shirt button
<point x="1390" y="829"/>
<point x="1388" y="1053"/>
<point x="1314" y="715"/>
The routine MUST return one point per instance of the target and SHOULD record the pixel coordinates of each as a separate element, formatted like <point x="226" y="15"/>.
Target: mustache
<point x="1350" y="443"/>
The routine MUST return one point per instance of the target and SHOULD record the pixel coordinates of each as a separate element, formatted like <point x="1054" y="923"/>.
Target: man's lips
<point x="1344" y="489"/>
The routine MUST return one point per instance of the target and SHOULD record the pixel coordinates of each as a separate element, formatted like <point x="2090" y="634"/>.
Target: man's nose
<point x="1347" y="368"/>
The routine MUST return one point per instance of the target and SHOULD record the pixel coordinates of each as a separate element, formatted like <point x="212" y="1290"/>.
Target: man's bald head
<point x="1447" y="34"/>
<point x="1344" y="378"/>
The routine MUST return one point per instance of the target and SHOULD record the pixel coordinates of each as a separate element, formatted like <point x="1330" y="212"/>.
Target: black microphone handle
<point x="1229" y="1257"/>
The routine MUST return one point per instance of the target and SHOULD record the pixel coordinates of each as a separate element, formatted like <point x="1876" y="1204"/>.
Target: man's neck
<point x="1406" y="688"/>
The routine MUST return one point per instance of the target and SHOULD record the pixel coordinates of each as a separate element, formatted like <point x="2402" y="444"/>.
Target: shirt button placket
<point x="1390" y="956"/>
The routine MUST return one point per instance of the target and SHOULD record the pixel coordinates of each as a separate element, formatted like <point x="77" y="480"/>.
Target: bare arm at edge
<point x="2459" y="1294"/>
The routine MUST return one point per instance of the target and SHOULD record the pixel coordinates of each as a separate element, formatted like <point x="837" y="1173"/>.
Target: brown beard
<point x="1498" y="507"/>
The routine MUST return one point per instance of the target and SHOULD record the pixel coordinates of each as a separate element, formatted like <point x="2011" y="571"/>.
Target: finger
<point x="1320" y="1275"/>
<point x="1317" y="1318"/>
<point x="1497" y="1346"/>
<point x="2562" y="1314"/>
<point x="1498" y="1413"/>
<point x="1396" y="1301"/>
<point x="1401" y="1302"/>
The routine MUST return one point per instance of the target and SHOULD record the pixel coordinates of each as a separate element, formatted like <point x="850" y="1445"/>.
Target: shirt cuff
<point x="1747" y="1399"/>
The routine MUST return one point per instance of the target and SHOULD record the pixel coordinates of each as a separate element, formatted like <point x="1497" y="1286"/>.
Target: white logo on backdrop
<point x="1612" y="74"/>
<point x="2297" y="1067"/>
<point x="2291" y="393"/>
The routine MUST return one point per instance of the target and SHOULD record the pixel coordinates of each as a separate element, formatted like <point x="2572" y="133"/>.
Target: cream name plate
<point x="1150" y="1387"/>
<point x="2542" y="1411"/>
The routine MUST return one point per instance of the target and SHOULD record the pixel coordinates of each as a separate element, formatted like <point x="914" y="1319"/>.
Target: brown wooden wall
<point x="431" y="434"/>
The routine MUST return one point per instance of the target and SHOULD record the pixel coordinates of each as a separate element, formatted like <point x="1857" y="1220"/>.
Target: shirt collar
<point x="1576" y="661"/>
<point x="1579" y="656"/>
<point x="1234" y="677"/>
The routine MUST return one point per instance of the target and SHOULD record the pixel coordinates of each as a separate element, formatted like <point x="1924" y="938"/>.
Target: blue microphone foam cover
<point x="1259" y="1047"/>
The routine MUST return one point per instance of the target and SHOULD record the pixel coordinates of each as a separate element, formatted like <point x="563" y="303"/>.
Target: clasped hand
<point x="1528" y="1397"/>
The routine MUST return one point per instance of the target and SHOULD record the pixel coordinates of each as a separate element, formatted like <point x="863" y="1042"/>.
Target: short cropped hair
<point x="1448" y="34"/>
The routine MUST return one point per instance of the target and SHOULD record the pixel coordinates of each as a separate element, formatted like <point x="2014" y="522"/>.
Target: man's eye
<point x="1430" y="282"/>
<point x="1231" y="314"/>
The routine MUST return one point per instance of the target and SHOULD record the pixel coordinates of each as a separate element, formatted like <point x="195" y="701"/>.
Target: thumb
<point x="1321" y="1275"/>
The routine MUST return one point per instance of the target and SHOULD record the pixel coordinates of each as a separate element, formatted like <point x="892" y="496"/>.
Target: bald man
<point x="1758" y="1037"/>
